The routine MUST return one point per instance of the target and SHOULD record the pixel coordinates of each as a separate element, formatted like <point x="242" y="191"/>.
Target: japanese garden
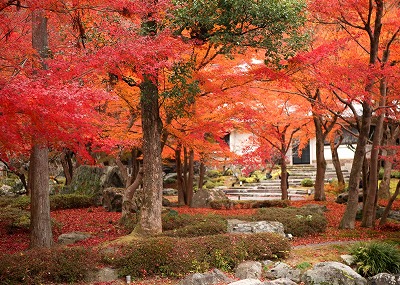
<point x="199" y="142"/>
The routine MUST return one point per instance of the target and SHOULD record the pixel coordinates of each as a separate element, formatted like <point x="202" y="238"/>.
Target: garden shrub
<point x="169" y="181"/>
<point x="71" y="201"/>
<point x="56" y="265"/>
<point x="307" y="182"/>
<point x="184" y="225"/>
<point x="168" y="256"/>
<point x="14" y="218"/>
<point x="376" y="257"/>
<point x="20" y="202"/>
<point x="380" y="173"/>
<point x="212" y="226"/>
<point x="395" y="174"/>
<point x="209" y="184"/>
<point x="213" y="173"/>
<point x="248" y="204"/>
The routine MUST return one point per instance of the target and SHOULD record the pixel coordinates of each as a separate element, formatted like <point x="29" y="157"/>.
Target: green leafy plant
<point x="307" y="182"/>
<point x="303" y="266"/>
<point x="376" y="257"/>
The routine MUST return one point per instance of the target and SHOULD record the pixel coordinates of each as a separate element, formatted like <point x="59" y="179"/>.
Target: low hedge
<point x="174" y="257"/>
<point x="248" y="204"/>
<point x="58" y="265"/>
<point x="71" y="201"/>
<point x="184" y="225"/>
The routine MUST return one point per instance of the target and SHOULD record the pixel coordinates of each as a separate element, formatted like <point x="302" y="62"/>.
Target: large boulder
<point x="248" y="269"/>
<point x="384" y="279"/>
<point x="112" y="199"/>
<point x="248" y="281"/>
<point x="332" y="273"/>
<point x="343" y="197"/>
<point x="280" y="281"/>
<point x="238" y="226"/>
<point x="105" y="274"/>
<point x="283" y="270"/>
<point x="92" y="180"/>
<point x="72" y="237"/>
<point x="204" y="197"/>
<point x="213" y="277"/>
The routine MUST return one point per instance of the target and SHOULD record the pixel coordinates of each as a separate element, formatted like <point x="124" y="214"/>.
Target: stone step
<point x="237" y="191"/>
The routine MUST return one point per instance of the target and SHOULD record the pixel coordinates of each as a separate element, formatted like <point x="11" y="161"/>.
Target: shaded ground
<point x="104" y="227"/>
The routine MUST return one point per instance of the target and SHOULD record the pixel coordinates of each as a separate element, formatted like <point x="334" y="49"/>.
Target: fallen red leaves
<point x="103" y="226"/>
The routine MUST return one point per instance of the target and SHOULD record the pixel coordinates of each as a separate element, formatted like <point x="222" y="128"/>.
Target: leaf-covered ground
<point x="104" y="226"/>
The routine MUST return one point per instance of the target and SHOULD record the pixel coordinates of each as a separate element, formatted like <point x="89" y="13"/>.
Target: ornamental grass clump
<point x="376" y="257"/>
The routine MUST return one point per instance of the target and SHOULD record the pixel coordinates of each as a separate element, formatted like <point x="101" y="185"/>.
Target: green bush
<point x="71" y="201"/>
<point x="58" y="201"/>
<point x="192" y="225"/>
<point x="307" y="182"/>
<point x="56" y="265"/>
<point x="395" y="174"/>
<point x="20" y="202"/>
<point x="376" y="257"/>
<point x="14" y="218"/>
<point x="168" y="256"/>
<point x="209" y="184"/>
<point x="380" y="173"/>
<point x="248" y="204"/>
<point x="170" y="180"/>
<point x="213" y="173"/>
<point x="205" y="227"/>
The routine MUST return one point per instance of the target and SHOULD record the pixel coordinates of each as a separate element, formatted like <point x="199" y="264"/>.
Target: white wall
<point x="239" y="142"/>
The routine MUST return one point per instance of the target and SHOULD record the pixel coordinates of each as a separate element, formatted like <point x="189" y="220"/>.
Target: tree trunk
<point x="319" y="194"/>
<point x="179" y="179"/>
<point x="349" y="217"/>
<point x="127" y="206"/>
<point x="389" y="205"/>
<point x="284" y="180"/>
<point x="41" y="234"/>
<point x="201" y="175"/>
<point x="369" y="213"/>
<point x="392" y="133"/>
<point x="150" y="213"/>
<point x="189" y="185"/>
<point x="336" y="161"/>
<point x="40" y="227"/>
<point x="185" y="173"/>
<point x="68" y="168"/>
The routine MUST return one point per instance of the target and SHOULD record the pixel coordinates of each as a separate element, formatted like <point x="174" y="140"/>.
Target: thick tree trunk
<point x="392" y="133"/>
<point x="68" y="167"/>
<point x="319" y="194"/>
<point x="336" y="161"/>
<point x="150" y="213"/>
<point x="41" y="234"/>
<point x="389" y="205"/>
<point x="284" y="180"/>
<point x="349" y="217"/>
<point x="127" y="205"/>
<point x="384" y="186"/>
<point x="369" y="213"/>
<point x="201" y="175"/>
<point x="179" y="179"/>
<point x="189" y="184"/>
